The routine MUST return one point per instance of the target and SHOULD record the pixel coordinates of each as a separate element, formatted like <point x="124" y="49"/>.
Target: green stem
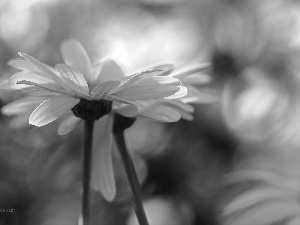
<point x="132" y="178"/>
<point x="86" y="170"/>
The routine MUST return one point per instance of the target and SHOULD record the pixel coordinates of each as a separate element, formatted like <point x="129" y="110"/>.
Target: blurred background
<point x="254" y="48"/>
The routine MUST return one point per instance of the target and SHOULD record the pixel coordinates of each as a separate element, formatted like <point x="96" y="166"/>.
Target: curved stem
<point x="132" y="178"/>
<point x="86" y="170"/>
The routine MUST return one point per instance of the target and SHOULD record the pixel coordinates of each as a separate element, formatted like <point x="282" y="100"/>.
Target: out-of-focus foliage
<point x="269" y="199"/>
<point x="260" y="106"/>
<point x="253" y="46"/>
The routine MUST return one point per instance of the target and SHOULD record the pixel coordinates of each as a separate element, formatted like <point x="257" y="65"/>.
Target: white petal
<point x="165" y="69"/>
<point x="111" y="71"/>
<point x="40" y="92"/>
<point x="22" y="64"/>
<point x="184" y="109"/>
<point x="159" y="112"/>
<point x="21" y="106"/>
<point x="103" y="89"/>
<point x="43" y="68"/>
<point x="201" y="95"/>
<point x="196" y="79"/>
<point x="130" y="80"/>
<point x="44" y="87"/>
<point x="28" y="65"/>
<point x="73" y="78"/>
<point x="156" y="70"/>
<point x="68" y="125"/>
<point x="127" y="110"/>
<point x="52" y="109"/>
<point x="75" y="55"/>
<point x="185" y="115"/>
<point x="191" y="70"/>
<point x="179" y="94"/>
<point x="178" y="104"/>
<point x="149" y="88"/>
<point x="102" y="177"/>
<point x="117" y="99"/>
<point x="33" y="77"/>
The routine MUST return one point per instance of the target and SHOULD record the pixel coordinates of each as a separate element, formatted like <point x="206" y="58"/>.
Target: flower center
<point x="92" y="110"/>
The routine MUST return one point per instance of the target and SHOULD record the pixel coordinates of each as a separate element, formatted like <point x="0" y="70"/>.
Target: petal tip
<point x="21" y="54"/>
<point x="110" y="197"/>
<point x="34" y="123"/>
<point x="61" y="133"/>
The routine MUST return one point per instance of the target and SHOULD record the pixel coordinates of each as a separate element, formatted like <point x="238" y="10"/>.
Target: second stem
<point x="132" y="178"/>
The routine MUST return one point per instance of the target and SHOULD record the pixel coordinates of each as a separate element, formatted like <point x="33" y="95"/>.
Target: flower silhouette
<point x="80" y="90"/>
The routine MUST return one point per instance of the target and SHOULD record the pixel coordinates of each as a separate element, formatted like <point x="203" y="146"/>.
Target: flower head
<point x="80" y="90"/>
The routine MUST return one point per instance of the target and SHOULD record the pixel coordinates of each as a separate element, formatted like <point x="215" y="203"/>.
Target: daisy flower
<point x="80" y="90"/>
